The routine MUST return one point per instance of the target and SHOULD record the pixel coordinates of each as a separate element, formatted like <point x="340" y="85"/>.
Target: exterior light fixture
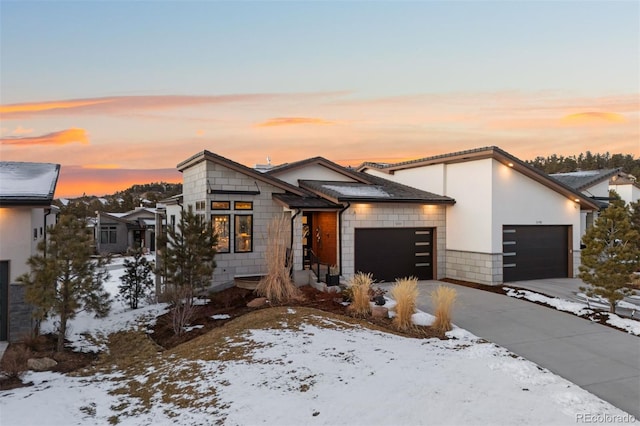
<point x="577" y="200"/>
<point x="510" y="164"/>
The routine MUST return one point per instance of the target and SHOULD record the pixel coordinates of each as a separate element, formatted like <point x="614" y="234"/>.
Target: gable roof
<point x="240" y="168"/>
<point x="494" y="153"/>
<point x="359" y="177"/>
<point x="27" y="184"/>
<point x="584" y="179"/>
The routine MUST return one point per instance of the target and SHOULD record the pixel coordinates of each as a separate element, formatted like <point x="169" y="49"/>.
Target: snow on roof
<point x="580" y="173"/>
<point x="27" y="181"/>
<point x="358" y="191"/>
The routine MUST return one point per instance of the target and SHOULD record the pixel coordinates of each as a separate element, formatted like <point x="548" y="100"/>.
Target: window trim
<point x="226" y="203"/>
<point x="228" y="217"/>
<point x="236" y="218"/>
<point x="249" y="207"/>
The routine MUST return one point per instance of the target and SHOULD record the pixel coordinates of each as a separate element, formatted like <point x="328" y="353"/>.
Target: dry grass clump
<point x="443" y="298"/>
<point x="14" y="362"/>
<point x="405" y="293"/>
<point x="360" y="303"/>
<point x="277" y="286"/>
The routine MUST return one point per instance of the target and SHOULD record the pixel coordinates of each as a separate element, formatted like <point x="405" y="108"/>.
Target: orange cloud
<point x="121" y="104"/>
<point x="21" y="131"/>
<point x="73" y="135"/>
<point x="292" y="121"/>
<point x="593" y="118"/>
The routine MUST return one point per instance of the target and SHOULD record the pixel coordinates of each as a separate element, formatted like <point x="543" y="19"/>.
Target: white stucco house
<point x="626" y="186"/>
<point x="26" y="193"/>
<point x="510" y="221"/>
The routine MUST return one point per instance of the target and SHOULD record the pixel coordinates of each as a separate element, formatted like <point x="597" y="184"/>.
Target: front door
<point x="324" y="236"/>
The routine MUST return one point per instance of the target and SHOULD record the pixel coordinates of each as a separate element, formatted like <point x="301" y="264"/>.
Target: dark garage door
<point x="390" y="253"/>
<point x="535" y="252"/>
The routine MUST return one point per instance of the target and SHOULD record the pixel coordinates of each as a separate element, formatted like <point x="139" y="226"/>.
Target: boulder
<point x="41" y="364"/>
<point x="379" y="312"/>
<point x="257" y="302"/>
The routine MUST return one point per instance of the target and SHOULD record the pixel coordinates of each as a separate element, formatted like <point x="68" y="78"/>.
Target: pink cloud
<point x="62" y="137"/>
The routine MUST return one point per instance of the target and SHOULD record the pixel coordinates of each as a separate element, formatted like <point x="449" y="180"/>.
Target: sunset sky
<point x="120" y="92"/>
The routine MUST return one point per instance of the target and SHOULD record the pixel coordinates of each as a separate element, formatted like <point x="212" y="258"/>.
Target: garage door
<point x="535" y="252"/>
<point x="390" y="253"/>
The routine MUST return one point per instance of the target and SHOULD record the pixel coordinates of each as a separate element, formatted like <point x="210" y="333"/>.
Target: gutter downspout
<point x="48" y="212"/>
<point x="340" y="234"/>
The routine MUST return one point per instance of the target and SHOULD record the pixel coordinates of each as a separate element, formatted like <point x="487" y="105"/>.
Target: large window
<point x="108" y="234"/>
<point x="221" y="227"/>
<point x="243" y="233"/>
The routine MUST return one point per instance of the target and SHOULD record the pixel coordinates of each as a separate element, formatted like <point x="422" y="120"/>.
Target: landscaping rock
<point x="257" y="302"/>
<point x="379" y="312"/>
<point x="41" y="364"/>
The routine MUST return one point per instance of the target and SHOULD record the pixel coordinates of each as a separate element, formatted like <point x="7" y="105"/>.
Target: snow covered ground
<point x="580" y="308"/>
<point x="314" y="371"/>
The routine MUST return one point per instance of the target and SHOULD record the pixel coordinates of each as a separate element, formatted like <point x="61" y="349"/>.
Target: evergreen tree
<point x="137" y="280"/>
<point x="188" y="252"/>
<point x="64" y="279"/>
<point x="611" y="255"/>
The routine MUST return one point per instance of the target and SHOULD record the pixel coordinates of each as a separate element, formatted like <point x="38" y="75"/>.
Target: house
<point x="118" y="232"/>
<point x="510" y="222"/>
<point x="26" y="194"/>
<point x="337" y="216"/>
<point x="626" y="186"/>
<point x="593" y="184"/>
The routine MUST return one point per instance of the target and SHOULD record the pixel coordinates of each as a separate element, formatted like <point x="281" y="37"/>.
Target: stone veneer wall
<point x="20" y="319"/>
<point x="392" y="215"/>
<point x="482" y="268"/>
<point x="195" y="189"/>
<point x="577" y="261"/>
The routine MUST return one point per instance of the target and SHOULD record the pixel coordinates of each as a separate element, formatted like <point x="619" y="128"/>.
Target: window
<point x="200" y="205"/>
<point x="243" y="205"/>
<point x="220" y="205"/>
<point x="35" y="233"/>
<point x="173" y="222"/>
<point x="108" y="234"/>
<point x="243" y="233"/>
<point x="221" y="227"/>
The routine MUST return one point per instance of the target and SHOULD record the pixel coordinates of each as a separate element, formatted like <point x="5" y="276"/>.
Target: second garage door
<point x="535" y="252"/>
<point x="390" y="253"/>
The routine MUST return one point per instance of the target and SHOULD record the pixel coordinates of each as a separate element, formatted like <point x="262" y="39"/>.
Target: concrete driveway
<point x="602" y="360"/>
<point x="569" y="289"/>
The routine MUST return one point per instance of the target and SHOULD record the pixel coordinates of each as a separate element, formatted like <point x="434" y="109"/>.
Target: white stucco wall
<point x="600" y="189"/>
<point x="310" y="172"/>
<point x="429" y="178"/>
<point x="629" y="193"/>
<point x="17" y="226"/>
<point x="519" y="200"/>
<point x="469" y="221"/>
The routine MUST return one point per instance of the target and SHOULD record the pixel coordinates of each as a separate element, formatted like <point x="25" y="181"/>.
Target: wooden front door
<point x="324" y="235"/>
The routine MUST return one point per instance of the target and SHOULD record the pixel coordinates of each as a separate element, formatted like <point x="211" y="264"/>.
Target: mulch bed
<point x="233" y="302"/>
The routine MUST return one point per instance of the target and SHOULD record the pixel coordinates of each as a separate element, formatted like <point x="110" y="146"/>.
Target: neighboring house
<point x="26" y="193"/>
<point x="338" y="216"/>
<point x="626" y="186"/>
<point x="118" y="232"/>
<point x="593" y="184"/>
<point x="511" y="222"/>
<point x="171" y="208"/>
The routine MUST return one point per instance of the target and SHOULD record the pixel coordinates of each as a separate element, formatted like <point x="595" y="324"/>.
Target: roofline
<point x="240" y="168"/>
<point x="495" y="153"/>
<point x="318" y="160"/>
<point x="342" y="199"/>
<point x="596" y="179"/>
<point x="23" y="200"/>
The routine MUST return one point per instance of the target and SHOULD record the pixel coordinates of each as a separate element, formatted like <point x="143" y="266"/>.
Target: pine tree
<point x="64" y="279"/>
<point x="137" y="280"/>
<point x="188" y="252"/>
<point x="611" y="255"/>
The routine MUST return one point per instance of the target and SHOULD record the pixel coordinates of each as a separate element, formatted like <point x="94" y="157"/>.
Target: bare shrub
<point x="277" y="285"/>
<point x="360" y="285"/>
<point x="182" y="307"/>
<point x="14" y="361"/>
<point x="443" y="298"/>
<point x="405" y="293"/>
